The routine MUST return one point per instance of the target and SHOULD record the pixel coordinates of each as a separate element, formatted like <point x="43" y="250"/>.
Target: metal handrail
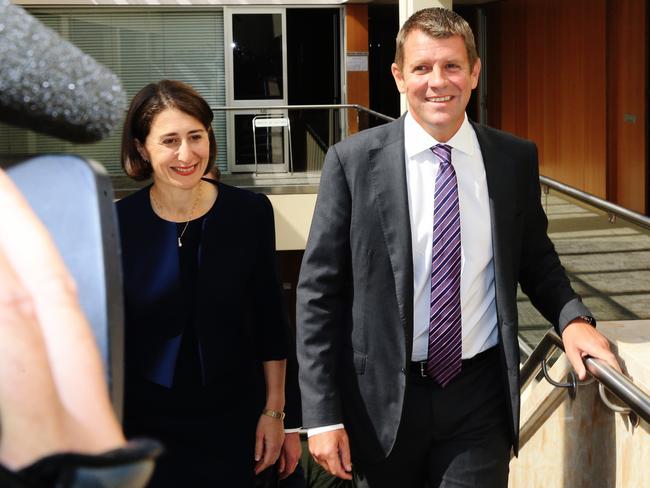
<point x="611" y="208"/>
<point x="617" y="383"/>
<point x="353" y="106"/>
<point x="604" y="205"/>
<point x="585" y="197"/>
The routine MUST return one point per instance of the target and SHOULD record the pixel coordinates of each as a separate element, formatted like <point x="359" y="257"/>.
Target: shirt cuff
<point x="292" y="431"/>
<point x="324" y="428"/>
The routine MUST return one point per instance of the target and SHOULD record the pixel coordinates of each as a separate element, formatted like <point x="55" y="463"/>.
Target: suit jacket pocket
<point x="359" y="362"/>
<point x="353" y="359"/>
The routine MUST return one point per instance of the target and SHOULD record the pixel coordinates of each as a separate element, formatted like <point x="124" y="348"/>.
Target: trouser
<point x="451" y="437"/>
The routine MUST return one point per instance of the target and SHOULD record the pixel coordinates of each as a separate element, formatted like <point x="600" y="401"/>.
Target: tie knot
<point x="443" y="152"/>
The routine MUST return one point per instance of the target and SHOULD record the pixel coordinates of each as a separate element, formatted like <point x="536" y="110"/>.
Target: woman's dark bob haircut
<point x="149" y="102"/>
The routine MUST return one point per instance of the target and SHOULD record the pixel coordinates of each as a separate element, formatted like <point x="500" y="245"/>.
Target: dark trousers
<point x="269" y="479"/>
<point x="449" y="437"/>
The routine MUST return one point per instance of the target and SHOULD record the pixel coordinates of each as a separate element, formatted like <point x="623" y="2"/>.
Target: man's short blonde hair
<point x="439" y="23"/>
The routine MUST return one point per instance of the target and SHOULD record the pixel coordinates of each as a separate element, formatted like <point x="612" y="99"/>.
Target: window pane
<point x="257" y="56"/>
<point x="140" y="47"/>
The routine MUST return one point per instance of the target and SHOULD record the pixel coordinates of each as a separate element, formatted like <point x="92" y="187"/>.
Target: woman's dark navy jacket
<point x="238" y="314"/>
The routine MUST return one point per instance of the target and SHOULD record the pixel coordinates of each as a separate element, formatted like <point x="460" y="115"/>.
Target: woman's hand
<point x="269" y="437"/>
<point x="270" y="431"/>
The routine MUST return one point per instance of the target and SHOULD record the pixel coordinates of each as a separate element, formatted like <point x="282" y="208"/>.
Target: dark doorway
<point x="313" y="77"/>
<point x="383" y="25"/>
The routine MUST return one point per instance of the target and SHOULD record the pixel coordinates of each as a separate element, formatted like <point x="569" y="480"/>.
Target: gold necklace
<point x="161" y="211"/>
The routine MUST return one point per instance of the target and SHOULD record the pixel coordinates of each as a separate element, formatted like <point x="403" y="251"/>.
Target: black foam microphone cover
<point x="49" y="85"/>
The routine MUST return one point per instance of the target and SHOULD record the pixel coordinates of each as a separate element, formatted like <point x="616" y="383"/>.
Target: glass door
<point x="257" y="73"/>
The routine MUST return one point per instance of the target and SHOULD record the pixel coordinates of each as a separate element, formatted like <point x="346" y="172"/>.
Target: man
<point x="407" y="315"/>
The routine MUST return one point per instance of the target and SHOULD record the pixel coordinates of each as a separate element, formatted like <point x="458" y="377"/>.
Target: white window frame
<point x="228" y="12"/>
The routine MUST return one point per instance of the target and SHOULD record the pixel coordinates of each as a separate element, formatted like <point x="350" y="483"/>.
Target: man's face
<point x="437" y="80"/>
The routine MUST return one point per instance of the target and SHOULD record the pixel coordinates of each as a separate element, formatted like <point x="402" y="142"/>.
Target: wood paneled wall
<point x="564" y="74"/>
<point x="356" y="31"/>
<point x="551" y="85"/>
<point x="627" y="123"/>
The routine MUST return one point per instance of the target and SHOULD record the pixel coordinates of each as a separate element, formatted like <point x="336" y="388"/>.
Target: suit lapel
<point x="501" y="181"/>
<point x="388" y="182"/>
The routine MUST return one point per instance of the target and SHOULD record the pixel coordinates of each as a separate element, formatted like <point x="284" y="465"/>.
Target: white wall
<point x="408" y="8"/>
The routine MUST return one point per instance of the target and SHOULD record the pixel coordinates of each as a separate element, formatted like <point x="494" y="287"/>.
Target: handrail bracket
<point x="571" y="385"/>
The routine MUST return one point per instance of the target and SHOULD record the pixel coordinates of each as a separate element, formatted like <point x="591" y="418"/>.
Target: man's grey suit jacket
<point x="355" y="292"/>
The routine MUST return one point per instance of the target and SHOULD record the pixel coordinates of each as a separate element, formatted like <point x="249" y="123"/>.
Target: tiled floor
<point x="608" y="264"/>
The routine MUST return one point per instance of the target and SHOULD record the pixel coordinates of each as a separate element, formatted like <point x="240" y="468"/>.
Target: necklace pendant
<point x="180" y="244"/>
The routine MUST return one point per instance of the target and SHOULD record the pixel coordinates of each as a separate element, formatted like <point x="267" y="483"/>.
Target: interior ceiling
<point x="395" y="2"/>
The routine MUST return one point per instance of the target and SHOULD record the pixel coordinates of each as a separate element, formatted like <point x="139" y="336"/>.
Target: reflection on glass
<point x="269" y="141"/>
<point x="257" y="56"/>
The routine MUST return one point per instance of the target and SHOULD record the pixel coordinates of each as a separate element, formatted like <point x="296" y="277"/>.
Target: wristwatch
<point x="590" y="320"/>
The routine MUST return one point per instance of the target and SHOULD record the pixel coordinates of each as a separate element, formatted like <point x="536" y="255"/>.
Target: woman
<point x="206" y="337"/>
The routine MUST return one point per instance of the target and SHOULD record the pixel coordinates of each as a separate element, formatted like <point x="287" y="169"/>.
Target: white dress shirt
<point x="477" y="295"/>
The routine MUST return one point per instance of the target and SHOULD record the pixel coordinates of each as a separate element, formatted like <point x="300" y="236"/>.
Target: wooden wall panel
<point x="494" y="60"/>
<point x="594" y="136"/>
<point x="551" y="63"/>
<point x="627" y="104"/>
<point x="356" y="22"/>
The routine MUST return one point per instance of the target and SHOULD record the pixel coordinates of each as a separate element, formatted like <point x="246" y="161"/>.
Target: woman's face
<point x="178" y="148"/>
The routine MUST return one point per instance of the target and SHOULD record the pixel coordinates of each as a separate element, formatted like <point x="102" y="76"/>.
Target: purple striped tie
<point x="445" y="341"/>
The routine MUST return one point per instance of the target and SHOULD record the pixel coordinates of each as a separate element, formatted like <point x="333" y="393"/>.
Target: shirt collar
<point x="417" y="140"/>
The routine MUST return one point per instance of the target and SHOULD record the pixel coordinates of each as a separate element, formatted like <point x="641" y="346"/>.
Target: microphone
<point x="49" y="85"/>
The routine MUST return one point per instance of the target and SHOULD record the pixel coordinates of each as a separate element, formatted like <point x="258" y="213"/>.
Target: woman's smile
<point x="185" y="170"/>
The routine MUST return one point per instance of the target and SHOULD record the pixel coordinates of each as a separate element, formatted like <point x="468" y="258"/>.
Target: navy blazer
<point x="238" y="314"/>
